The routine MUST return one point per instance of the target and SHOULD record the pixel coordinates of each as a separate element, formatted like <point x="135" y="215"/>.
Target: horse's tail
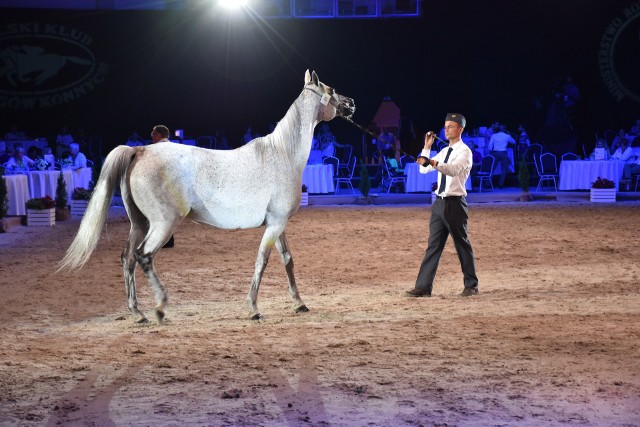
<point x="114" y="168"/>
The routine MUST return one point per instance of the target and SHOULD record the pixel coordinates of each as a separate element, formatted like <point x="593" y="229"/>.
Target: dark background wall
<point x="491" y="60"/>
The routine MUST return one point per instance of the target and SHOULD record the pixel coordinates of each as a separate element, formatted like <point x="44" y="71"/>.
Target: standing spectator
<point x="160" y="133"/>
<point x="63" y="140"/>
<point x="449" y="212"/>
<point x="498" y="145"/>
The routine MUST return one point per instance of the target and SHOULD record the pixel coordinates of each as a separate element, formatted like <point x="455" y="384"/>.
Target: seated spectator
<point x="34" y="153"/>
<point x="79" y="160"/>
<point x="389" y="145"/>
<point x="5" y="152"/>
<point x="19" y="162"/>
<point x="635" y="129"/>
<point x="326" y="140"/>
<point x="615" y="144"/>
<point x="62" y="142"/>
<point x="624" y="152"/>
<point x="476" y="156"/>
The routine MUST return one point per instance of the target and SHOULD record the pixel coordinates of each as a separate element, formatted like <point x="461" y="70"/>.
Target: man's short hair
<point x="162" y="130"/>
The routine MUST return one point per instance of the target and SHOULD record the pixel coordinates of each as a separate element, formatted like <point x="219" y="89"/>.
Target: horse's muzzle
<point x="346" y="107"/>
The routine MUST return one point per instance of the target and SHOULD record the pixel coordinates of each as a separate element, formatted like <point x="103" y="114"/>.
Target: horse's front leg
<point x="269" y="238"/>
<point x="285" y="255"/>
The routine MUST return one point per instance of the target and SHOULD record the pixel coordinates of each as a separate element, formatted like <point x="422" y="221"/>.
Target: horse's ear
<point x="307" y="77"/>
<point x="314" y="77"/>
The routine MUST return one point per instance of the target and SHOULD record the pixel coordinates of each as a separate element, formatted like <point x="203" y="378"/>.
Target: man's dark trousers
<point x="448" y="216"/>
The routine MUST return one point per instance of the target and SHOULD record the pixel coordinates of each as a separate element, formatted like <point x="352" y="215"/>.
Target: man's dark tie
<point x="443" y="179"/>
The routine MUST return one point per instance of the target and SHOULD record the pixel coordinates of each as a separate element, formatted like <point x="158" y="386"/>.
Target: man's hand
<point x="429" y="138"/>
<point x="423" y="161"/>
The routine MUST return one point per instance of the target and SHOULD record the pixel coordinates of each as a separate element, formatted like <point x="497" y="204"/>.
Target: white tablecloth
<point x="81" y="178"/>
<point x="579" y="174"/>
<point x="318" y="178"/>
<point x="43" y="183"/>
<point x="18" y="193"/>
<point x="417" y="181"/>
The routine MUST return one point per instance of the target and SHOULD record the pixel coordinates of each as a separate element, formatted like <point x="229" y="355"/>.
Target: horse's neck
<point x="296" y="129"/>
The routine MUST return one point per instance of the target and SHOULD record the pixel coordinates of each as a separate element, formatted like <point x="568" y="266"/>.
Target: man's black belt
<point x="450" y="197"/>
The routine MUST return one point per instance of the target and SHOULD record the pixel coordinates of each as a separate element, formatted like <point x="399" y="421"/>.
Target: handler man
<point x="449" y="212"/>
<point x="160" y="133"/>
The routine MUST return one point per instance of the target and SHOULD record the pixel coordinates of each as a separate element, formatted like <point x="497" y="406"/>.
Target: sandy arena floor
<point x="553" y="338"/>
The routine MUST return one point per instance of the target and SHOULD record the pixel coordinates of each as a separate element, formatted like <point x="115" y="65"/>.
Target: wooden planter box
<point x="78" y="207"/>
<point x="603" y="195"/>
<point x="41" y="218"/>
<point x="304" y="201"/>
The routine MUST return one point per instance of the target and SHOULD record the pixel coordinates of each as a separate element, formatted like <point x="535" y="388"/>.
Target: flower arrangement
<point x="66" y="163"/>
<point x="434" y="187"/>
<point x="42" y="164"/>
<point x="304" y="188"/>
<point x="40" y="203"/>
<point x="603" y="183"/>
<point x="80" y="193"/>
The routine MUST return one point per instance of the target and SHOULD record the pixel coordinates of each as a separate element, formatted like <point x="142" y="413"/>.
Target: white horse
<point x="257" y="184"/>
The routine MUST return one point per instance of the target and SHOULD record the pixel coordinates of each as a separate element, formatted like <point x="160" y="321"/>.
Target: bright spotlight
<point x="232" y="4"/>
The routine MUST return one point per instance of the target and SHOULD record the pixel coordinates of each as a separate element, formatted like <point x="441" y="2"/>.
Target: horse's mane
<point x="284" y="138"/>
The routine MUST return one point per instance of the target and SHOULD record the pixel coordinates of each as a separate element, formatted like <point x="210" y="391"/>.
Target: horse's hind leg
<point x="156" y="237"/>
<point x="129" y="268"/>
<point x="285" y="255"/>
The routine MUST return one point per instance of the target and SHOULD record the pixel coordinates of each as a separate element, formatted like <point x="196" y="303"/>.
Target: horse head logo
<point x="26" y="64"/>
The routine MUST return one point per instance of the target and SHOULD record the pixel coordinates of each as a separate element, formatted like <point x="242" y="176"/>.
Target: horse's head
<point x="331" y="102"/>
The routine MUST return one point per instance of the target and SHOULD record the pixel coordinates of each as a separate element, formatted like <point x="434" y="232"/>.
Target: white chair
<point x="393" y="175"/>
<point x="548" y="170"/>
<point x="569" y="156"/>
<point x="330" y="160"/>
<point x="349" y="177"/>
<point x="485" y="173"/>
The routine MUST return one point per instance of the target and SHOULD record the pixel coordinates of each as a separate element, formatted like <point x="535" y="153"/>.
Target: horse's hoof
<point x="141" y="320"/>
<point x="255" y="316"/>
<point x="301" y="309"/>
<point x="160" y="315"/>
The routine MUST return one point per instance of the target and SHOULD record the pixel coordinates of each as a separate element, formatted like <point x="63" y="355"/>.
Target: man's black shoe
<point x="469" y="292"/>
<point x="416" y="293"/>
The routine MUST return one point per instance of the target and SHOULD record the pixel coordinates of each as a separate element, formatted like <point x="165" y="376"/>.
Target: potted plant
<point x="79" y="201"/>
<point x="523" y="180"/>
<point x="365" y="185"/>
<point x="434" y="189"/>
<point x="603" y="190"/>
<point x="62" y="212"/>
<point x="41" y="211"/>
<point x="304" y="200"/>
